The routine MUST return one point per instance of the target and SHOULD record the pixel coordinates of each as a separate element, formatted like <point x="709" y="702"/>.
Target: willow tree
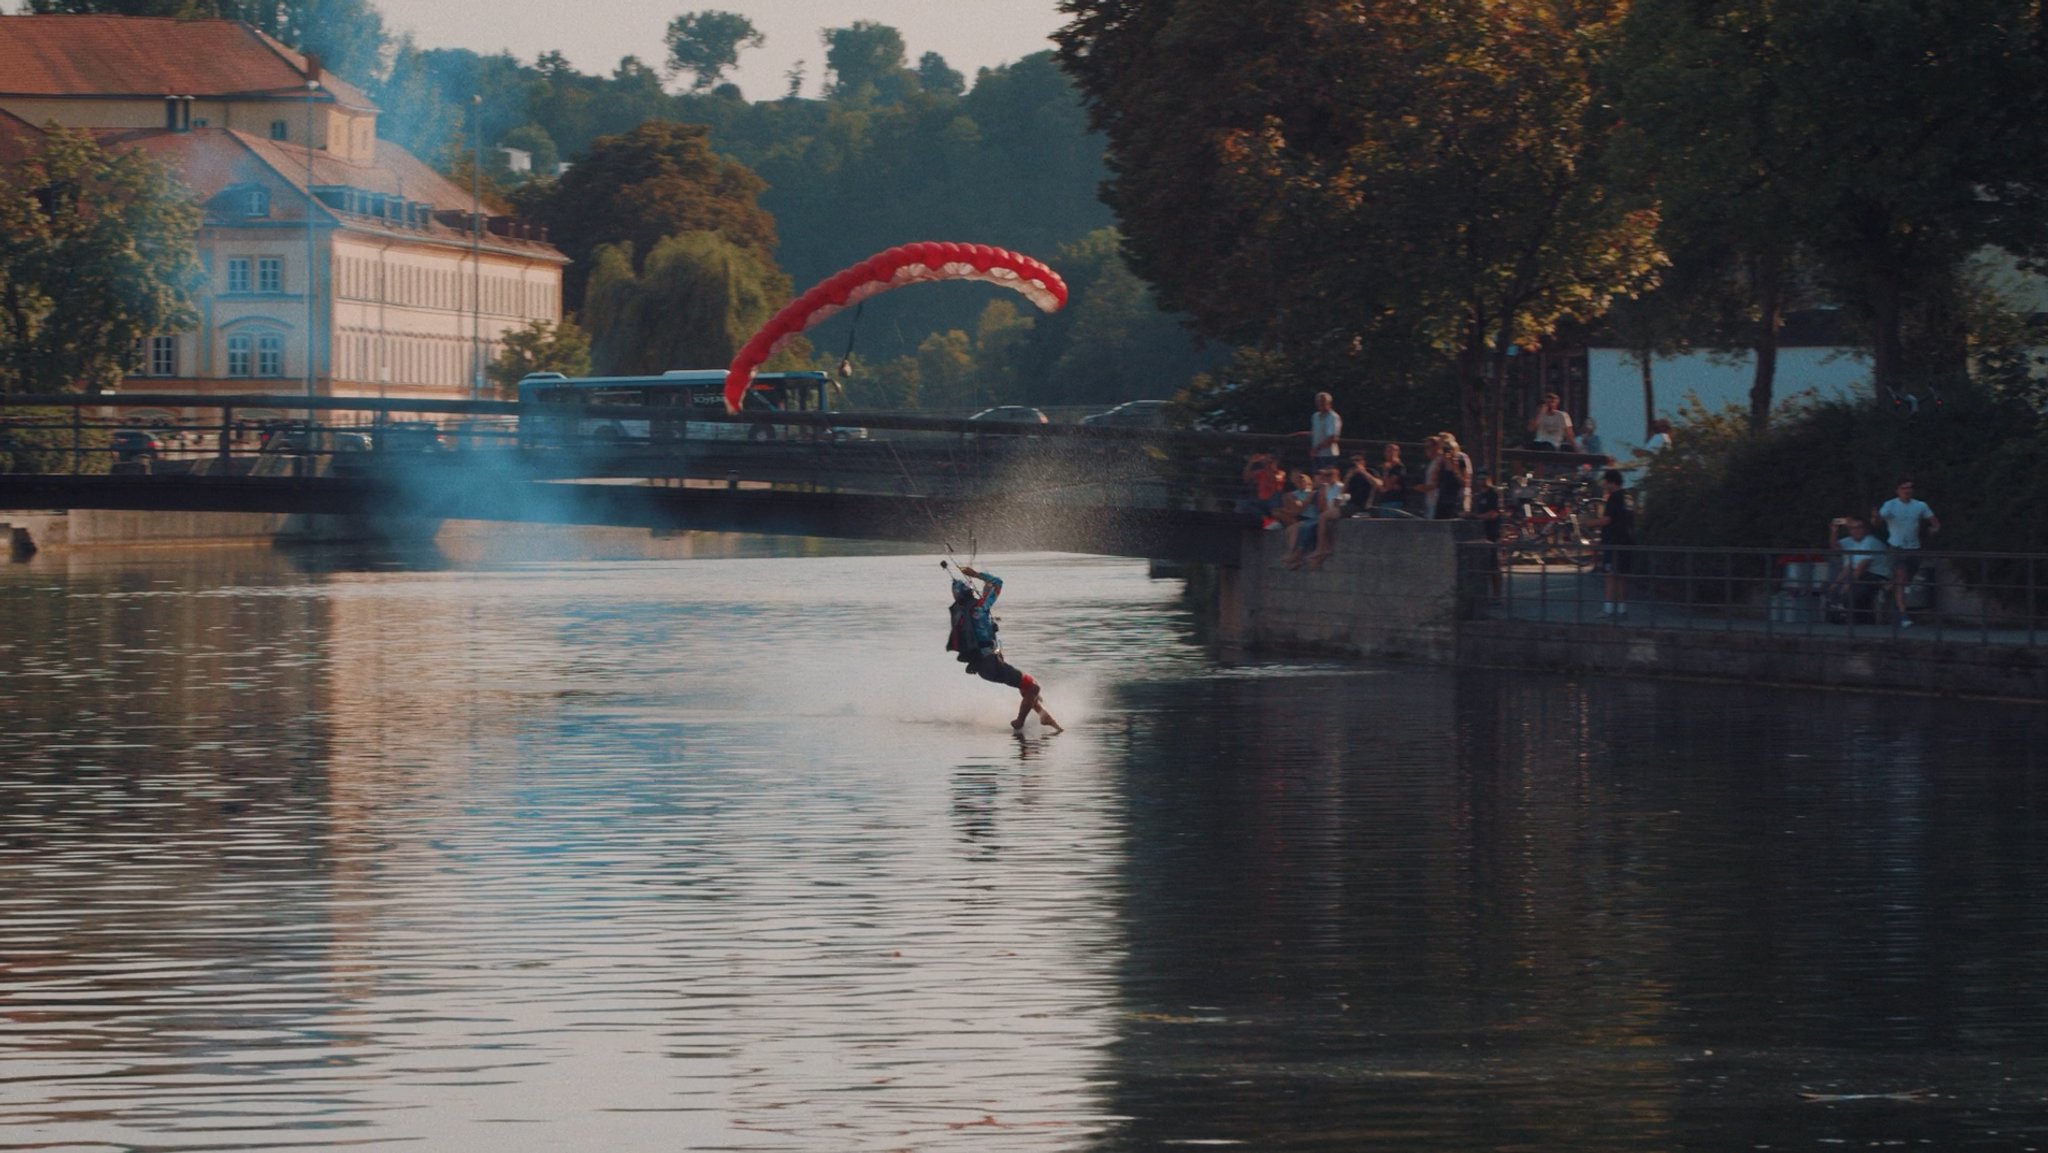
<point x="694" y="302"/>
<point x="1339" y="177"/>
<point x="96" y="252"/>
<point x="659" y="180"/>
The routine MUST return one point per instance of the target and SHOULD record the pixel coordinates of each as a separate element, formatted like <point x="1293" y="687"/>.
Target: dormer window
<point x="279" y="130"/>
<point x="255" y="202"/>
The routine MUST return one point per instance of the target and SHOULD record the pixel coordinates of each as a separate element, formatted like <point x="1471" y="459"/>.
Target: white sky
<point x="594" y="34"/>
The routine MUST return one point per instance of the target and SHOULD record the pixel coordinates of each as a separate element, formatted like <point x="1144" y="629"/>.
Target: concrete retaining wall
<point x="87" y="528"/>
<point x="1896" y="664"/>
<point x="1388" y="591"/>
<point x="1391" y="592"/>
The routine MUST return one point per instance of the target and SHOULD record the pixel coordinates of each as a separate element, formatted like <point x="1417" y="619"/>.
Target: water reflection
<point x="1534" y="913"/>
<point x="635" y="854"/>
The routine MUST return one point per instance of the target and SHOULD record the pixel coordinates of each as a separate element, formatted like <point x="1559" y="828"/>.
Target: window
<point x="270" y="355"/>
<point x="163" y="356"/>
<point x="279" y="130"/>
<point x="238" y="355"/>
<point x="255" y="202"/>
<point x="238" y="274"/>
<point x="270" y="274"/>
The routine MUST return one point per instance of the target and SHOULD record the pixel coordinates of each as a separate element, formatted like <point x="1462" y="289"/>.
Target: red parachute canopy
<point x="905" y="264"/>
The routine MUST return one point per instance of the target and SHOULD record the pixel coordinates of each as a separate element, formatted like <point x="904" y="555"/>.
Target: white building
<point x="334" y="260"/>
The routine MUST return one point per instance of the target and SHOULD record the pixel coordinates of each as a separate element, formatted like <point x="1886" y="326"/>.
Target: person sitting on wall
<point x="1551" y="427"/>
<point x="1865" y="570"/>
<point x="1262" y="472"/>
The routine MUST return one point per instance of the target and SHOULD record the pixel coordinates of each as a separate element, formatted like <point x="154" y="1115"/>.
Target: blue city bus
<point x="550" y="404"/>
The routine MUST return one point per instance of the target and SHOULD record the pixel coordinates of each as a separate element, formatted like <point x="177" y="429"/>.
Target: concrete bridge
<point x="1115" y="492"/>
<point x="455" y="493"/>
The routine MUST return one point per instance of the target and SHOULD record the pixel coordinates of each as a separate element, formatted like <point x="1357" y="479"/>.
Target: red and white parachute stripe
<point x="918" y="263"/>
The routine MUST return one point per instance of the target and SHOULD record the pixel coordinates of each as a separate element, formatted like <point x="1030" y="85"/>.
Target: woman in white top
<point x="1660" y="438"/>
<point x="1551" y="426"/>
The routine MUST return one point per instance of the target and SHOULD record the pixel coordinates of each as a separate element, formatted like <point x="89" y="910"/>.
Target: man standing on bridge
<point x="973" y="637"/>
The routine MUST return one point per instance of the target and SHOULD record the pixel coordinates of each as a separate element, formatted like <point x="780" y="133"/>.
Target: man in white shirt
<point x="1865" y="567"/>
<point x="1323" y="426"/>
<point x="1904" y="519"/>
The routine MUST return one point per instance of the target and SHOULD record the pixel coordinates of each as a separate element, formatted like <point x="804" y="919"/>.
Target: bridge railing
<point x="267" y="435"/>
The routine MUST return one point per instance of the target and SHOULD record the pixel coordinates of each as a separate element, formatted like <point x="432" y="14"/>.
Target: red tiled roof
<point x="213" y="159"/>
<point x="152" y="56"/>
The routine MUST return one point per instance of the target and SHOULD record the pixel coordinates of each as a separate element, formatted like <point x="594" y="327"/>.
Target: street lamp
<point x="312" y="91"/>
<point x="476" y="250"/>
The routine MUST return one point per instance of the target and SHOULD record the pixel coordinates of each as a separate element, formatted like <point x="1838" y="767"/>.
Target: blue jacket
<point x="973" y="629"/>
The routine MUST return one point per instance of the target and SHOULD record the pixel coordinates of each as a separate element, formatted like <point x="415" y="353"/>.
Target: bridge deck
<point x="996" y="523"/>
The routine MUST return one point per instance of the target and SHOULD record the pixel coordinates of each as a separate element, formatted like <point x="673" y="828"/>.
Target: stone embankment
<point x="1394" y="590"/>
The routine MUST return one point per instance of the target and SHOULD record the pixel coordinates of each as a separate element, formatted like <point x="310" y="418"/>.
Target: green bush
<point x="39" y="440"/>
<point x="1975" y="458"/>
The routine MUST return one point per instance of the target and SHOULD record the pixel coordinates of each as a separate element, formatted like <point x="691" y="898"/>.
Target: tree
<point x="1356" y="181"/>
<point x="698" y="297"/>
<point x="866" y="60"/>
<point x="659" y="180"/>
<point x="96" y="252"/>
<point x="1891" y="140"/>
<point x="541" y="346"/>
<point x="934" y="75"/>
<point x="705" y="44"/>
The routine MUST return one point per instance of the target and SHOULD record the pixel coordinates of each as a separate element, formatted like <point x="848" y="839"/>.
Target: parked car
<point x="135" y="444"/>
<point x="412" y="436"/>
<point x="1133" y="414"/>
<point x="1011" y="414"/>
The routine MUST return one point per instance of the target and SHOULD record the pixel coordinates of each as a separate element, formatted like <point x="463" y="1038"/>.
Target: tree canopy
<point x="658" y="180"/>
<point x="696" y="299"/>
<point x="704" y="45"/>
<point x="96" y="252"/>
<point x="1865" y="148"/>
<point x="1359" y="182"/>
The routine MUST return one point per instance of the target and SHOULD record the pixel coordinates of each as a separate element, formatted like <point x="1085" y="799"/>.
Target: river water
<point x="310" y="852"/>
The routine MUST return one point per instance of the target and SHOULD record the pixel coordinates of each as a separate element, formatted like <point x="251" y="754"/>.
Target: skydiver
<point x="973" y="637"/>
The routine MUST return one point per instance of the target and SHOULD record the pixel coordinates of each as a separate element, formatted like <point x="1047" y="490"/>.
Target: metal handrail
<point x="1961" y="596"/>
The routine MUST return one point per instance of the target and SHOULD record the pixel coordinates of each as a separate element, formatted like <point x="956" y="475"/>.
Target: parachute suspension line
<point x="846" y="358"/>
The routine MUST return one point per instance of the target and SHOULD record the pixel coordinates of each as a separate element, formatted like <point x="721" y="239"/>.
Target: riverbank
<point x="1395" y="590"/>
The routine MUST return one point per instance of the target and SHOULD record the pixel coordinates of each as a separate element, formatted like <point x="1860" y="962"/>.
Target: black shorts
<point x="1905" y="565"/>
<point x="992" y="667"/>
<point x="1615" y="560"/>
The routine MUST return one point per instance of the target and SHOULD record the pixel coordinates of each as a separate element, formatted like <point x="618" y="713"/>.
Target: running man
<point x="973" y="636"/>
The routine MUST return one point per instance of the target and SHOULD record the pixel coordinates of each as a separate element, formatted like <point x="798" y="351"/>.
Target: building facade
<point x="336" y="263"/>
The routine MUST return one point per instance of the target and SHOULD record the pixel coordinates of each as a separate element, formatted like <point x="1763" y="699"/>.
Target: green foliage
<point x="659" y="180"/>
<point x="541" y="346"/>
<point x="696" y="300"/>
<point x="1111" y="343"/>
<point x="866" y="60"/>
<point x="1341" y="179"/>
<point x="41" y="440"/>
<point x="1886" y="141"/>
<point x="1975" y="459"/>
<point x="96" y="252"/>
<point x="1272" y="391"/>
<point x="705" y="44"/>
<point x="934" y="75"/>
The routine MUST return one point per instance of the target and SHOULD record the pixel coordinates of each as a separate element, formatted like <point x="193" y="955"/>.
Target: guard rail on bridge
<point x="897" y="454"/>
